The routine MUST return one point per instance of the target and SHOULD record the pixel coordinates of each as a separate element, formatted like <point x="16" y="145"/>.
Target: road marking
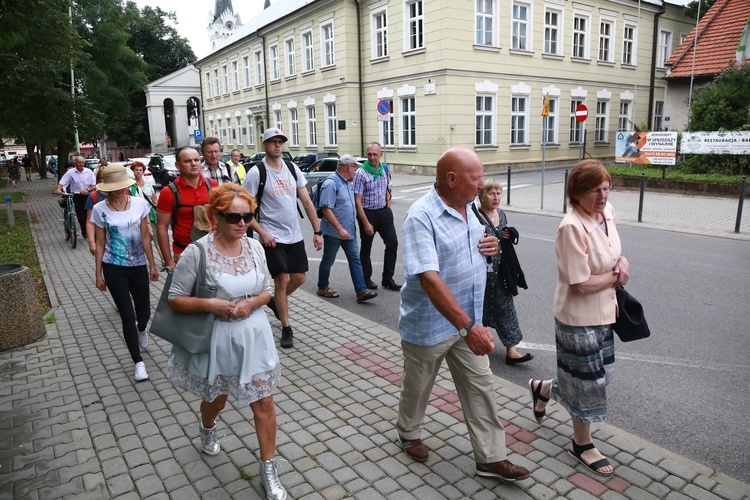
<point x="659" y="360"/>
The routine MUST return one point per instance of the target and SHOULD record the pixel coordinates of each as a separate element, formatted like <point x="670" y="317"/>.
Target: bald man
<point x="445" y="252"/>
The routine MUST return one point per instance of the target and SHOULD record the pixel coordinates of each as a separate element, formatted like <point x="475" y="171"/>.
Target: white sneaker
<point x="140" y="371"/>
<point x="143" y="339"/>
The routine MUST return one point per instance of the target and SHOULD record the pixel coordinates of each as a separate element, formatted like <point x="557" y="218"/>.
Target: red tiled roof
<point x="719" y="33"/>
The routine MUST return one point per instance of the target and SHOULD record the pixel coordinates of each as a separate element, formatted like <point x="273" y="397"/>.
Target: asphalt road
<point x="683" y="387"/>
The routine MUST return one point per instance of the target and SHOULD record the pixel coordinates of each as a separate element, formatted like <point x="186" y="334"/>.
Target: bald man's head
<point x="459" y="175"/>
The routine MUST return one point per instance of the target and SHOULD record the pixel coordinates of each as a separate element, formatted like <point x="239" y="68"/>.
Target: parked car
<point x="256" y="157"/>
<point x="91" y="163"/>
<point x="166" y="172"/>
<point x="320" y="170"/>
<point x="305" y="160"/>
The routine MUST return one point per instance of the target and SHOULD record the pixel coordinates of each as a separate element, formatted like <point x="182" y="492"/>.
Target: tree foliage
<point x="691" y="9"/>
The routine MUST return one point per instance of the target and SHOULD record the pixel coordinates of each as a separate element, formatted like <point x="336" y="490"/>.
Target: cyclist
<point x="80" y="181"/>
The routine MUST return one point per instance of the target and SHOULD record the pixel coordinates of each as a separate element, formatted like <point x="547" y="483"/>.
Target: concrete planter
<point x="686" y="187"/>
<point x="21" y="320"/>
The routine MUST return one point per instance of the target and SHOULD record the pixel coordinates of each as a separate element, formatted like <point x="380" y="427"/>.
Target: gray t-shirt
<point x="278" y="208"/>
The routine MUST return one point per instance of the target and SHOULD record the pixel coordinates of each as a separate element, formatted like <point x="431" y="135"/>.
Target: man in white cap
<point x="276" y="185"/>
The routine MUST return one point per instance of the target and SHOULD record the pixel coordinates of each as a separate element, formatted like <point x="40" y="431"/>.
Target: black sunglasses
<point x="234" y="218"/>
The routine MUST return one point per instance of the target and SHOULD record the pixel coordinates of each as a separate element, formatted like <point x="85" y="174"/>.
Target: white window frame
<point x="225" y="78"/>
<point x="575" y="131"/>
<point x="211" y="128"/>
<point x="273" y="56"/>
<point x="485" y="23"/>
<point x="246" y="69"/>
<point x="312" y="126"/>
<point x="277" y="120"/>
<point x="601" y="123"/>
<point x="308" y="51"/>
<point x="291" y="63"/>
<point x="658" y="115"/>
<point x="606" y="51"/>
<point x="552" y="41"/>
<point x="379" y="34"/>
<point x="519" y="120"/>
<point x="216" y="81"/>
<point x="238" y="119"/>
<point x="209" y="95"/>
<point x="629" y="44"/>
<point x="293" y="127"/>
<point x="250" y="130"/>
<point x="485" y="130"/>
<point x="624" y="122"/>
<point x="387" y="129"/>
<point x="580" y="48"/>
<point x="520" y="38"/>
<point x="219" y="130"/>
<point x="414" y="25"/>
<point x="665" y="48"/>
<point x="331" y="125"/>
<point x="327" y="46"/>
<point x="258" y="58"/>
<point x="551" y="128"/>
<point x="235" y="76"/>
<point x="408" y="120"/>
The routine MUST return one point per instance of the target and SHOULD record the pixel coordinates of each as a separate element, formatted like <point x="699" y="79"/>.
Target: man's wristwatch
<point x="318" y="233"/>
<point x="463" y="332"/>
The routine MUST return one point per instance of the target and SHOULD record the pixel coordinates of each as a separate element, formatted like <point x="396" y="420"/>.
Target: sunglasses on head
<point x="234" y="218"/>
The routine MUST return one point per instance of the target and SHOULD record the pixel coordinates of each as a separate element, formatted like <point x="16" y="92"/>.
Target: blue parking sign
<point x="198" y="134"/>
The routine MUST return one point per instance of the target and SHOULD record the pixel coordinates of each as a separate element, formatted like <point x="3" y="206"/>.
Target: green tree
<point x="691" y="9"/>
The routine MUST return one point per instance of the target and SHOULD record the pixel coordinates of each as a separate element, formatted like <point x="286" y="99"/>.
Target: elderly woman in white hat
<point x="123" y="246"/>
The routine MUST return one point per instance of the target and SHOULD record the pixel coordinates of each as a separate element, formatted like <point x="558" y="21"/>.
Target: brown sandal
<point x="328" y="293"/>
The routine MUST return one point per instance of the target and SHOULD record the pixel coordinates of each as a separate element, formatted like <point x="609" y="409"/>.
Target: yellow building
<point x="470" y="73"/>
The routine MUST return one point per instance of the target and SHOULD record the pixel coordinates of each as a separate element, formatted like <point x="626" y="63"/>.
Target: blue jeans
<point x="330" y="249"/>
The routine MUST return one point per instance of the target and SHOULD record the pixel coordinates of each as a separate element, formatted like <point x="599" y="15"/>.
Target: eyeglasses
<point x="604" y="190"/>
<point x="234" y="218"/>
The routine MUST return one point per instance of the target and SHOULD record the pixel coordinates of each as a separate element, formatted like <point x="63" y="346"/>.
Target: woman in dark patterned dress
<point x="499" y="311"/>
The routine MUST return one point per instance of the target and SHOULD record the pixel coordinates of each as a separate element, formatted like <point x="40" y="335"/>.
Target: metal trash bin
<point x="21" y="319"/>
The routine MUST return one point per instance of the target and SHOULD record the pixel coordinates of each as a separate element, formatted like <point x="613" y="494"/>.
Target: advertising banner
<point x="717" y="143"/>
<point x="646" y="148"/>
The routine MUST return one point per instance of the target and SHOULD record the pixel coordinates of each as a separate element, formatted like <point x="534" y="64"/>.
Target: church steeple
<point x="222" y="6"/>
<point x="222" y="22"/>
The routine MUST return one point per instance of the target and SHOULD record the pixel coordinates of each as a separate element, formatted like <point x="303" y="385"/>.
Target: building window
<point x="552" y="32"/>
<point x="408" y="122"/>
<point x="219" y="130"/>
<point x="623" y="120"/>
<point x="258" y="67"/>
<point x="379" y="35"/>
<point x="312" y="128"/>
<point x="485" y="116"/>
<point x="576" y="128"/>
<point x="326" y="36"/>
<point x="485" y="28"/>
<point x="520" y="26"/>
<point x="307" y="50"/>
<point x="208" y="85"/>
<point x="239" y="131"/>
<point x="550" y="127"/>
<point x="386" y="129"/>
<point x="216" y="82"/>
<point x="277" y="119"/>
<point x="414" y="25"/>
<point x="250" y="131"/>
<point x="658" y="115"/>
<point x="605" y="41"/>
<point x="228" y="133"/>
<point x="628" y="45"/>
<point x="331" y="124"/>
<point x="665" y="46"/>
<point x="274" y="54"/>
<point x="293" y="127"/>
<point x="290" y="63"/>
<point x="211" y="128"/>
<point x="602" y="118"/>
<point x="580" y="37"/>
<point x="246" y="69"/>
<point x="225" y="78"/>
<point x="518" y="120"/>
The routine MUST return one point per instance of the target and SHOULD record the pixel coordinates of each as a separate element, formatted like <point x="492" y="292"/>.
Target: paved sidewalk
<point x="76" y="425"/>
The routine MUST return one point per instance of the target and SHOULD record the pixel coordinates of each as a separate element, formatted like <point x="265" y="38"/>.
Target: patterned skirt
<point x="585" y="360"/>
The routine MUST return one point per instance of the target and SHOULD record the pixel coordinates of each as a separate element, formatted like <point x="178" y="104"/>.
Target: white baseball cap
<point x="270" y="133"/>
<point x="348" y="160"/>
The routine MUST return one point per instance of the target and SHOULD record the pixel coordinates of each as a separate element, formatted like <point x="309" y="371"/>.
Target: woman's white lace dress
<point x="243" y="362"/>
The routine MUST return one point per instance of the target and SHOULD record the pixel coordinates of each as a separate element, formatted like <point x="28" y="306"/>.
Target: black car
<point x="256" y="157"/>
<point x="305" y="160"/>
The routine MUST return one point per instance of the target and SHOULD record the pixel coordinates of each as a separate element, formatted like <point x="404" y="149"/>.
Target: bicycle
<point x="69" y="220"/>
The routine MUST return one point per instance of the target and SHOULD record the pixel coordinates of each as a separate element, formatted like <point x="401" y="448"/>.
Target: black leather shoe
<point x="371" y="285"/>
<point x="392" y="285"/>
<point x="287" y="337"/>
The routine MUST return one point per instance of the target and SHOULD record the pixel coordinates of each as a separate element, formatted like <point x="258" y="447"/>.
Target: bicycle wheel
<point x="72" y="224"/>
<point x="66" y="227"/>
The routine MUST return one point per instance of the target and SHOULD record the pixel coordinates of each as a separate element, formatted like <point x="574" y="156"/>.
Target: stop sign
<point x="582" y="112"/>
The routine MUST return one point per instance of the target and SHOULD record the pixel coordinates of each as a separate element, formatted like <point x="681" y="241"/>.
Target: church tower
<point x="222" y="22"/>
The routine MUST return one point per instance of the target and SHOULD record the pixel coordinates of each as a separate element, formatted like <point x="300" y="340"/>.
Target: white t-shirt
<point x="278" y="209"/>
<point x="123" y="232"/>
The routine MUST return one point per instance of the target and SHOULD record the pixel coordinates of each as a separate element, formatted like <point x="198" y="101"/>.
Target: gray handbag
<point x="189" y="331"/>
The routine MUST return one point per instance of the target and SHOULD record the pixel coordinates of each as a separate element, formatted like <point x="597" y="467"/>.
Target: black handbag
<point x="189" y="331"/>
<point x="631" y="323"/>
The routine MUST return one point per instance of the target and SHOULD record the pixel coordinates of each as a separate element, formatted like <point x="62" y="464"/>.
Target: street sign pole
<point x="582" y="112"/>
<point x="545" y="117"/>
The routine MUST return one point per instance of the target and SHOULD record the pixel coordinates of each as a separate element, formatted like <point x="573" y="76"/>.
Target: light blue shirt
<point x="437" y="238"/>
<point x="338" y="195"/>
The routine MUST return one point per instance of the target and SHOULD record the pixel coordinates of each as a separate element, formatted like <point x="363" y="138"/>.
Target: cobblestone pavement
<point x="76" y="425"/>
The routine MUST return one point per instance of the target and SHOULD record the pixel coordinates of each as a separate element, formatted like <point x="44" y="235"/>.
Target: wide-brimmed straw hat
<point x="115" y="177"/>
